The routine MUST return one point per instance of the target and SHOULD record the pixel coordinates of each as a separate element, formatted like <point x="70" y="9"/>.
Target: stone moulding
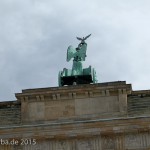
<point x="79" y="128"/>
<point x="76" y="91"/>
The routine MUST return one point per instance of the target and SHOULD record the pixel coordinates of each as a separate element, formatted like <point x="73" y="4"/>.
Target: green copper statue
<point x="77" y="75"/>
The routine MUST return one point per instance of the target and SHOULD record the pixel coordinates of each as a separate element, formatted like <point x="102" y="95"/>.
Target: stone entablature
<point x="88" y="128"/>
<point x="131" y="133"/>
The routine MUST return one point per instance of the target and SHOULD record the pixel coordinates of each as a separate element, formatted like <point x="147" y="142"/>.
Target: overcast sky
<point x="35" y="34"/>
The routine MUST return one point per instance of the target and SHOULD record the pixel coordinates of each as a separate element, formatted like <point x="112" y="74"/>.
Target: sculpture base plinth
<point x="72" y="77"/>
<point x="78" y="79"/>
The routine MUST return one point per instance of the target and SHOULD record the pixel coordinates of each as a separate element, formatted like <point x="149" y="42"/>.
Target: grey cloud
<point x="34" y="36"/>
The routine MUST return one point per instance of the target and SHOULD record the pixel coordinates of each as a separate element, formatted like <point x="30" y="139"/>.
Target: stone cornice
<point x="69" y="92"/>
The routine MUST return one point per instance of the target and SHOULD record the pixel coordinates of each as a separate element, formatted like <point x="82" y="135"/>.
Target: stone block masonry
<point x="10" y="113"/>
<point x="103" y="116"/>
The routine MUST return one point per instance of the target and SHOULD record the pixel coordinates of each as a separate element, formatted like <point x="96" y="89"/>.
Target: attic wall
<point x="138" y="104"/>
<point x="10" y="113"/>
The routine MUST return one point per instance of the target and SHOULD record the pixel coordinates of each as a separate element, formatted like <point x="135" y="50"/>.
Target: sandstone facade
<point x="103" y="116"/>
